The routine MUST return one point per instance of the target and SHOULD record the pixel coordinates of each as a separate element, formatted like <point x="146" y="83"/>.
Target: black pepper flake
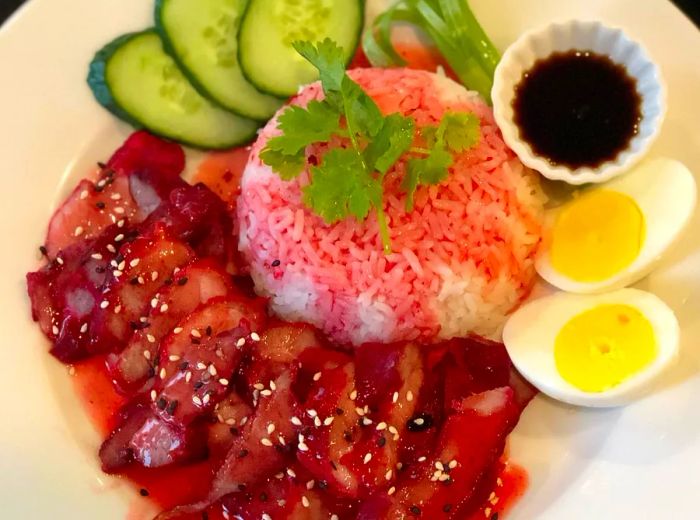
<point x="333" y="465"/>
<point x="198" y="385"/>
<point x="205" y="515"/>
<point x="381" y="442"/>
<point x="195" y="341"/>
<point x="43" y="250"/>
<point x="447" y="508"/>
<point x="134" y="281"/>
<point x="184" y="366"/>
<point x="494" y="516"/>
<point x="234" y="431"/>
<point x="143" y="492"/>
<point x="263" y="497"/>
<point x="99" y="188"/>
<point x="322" y="485"/>
<point x="347" y="435"/>
<point x="172" y="407"/>
<point x="119" y="258"/>
<point x="415" y="510"/>
<point x="182" y="281"/>
<point x="276" y="263"/>
<point x="339" y="411"/>
<point x="151" y="372"/>
<point x="100" y="269"/>
<point x="161" y="403"/>
<point x="168" y="281"/>
<point x="242" y="454"/>
<point x="241" y="487"/>
<point x="100" y="205"/>
<point x="208" y="330"/>
<point x="156" y="361"/>
<point x="101" y="165"/>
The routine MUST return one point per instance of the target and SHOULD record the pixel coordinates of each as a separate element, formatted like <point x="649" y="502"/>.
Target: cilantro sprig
<point x="348" y="180"/>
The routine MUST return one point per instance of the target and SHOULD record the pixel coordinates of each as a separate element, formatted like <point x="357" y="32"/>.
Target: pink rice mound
<point x="461" y="260"/>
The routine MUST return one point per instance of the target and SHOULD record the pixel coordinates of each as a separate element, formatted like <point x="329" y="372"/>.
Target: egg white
<point x="530" y="333"/>
<point x="666" y="194"/>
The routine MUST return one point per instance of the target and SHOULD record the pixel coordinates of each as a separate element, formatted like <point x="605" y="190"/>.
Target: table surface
<point x="690" y="7"/>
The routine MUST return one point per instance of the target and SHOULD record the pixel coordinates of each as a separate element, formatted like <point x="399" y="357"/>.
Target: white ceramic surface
<point x="637" y="462"/>
<point x="541" y="43"/>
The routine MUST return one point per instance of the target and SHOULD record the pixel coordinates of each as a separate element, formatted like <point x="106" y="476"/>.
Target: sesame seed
<point x="487" y="512"/>
<point x="381" y="426"/>
<point x="328" y="421"/>
<point x="134" y="262"/>
<point x="444" y="477"/>
<point x="499" y="482"/>
<point x="162" y="373"/>
<point x="409" y="396"/>
<point x="367" y="458"/>
<point x="366" y="421"/>
<point x="254" y="336"/>
<point x="195" y="333"/>
<point x="317" y="376"/>
<point x="188" y="376"/>
<point x="439" y="466"/>
<point x="151" y="338"/>
<point x="273" y="386"/>
<point x="310" y="485"/>
<point x="117" y="273"/>
<point x="281" y="439"/>
<point x="174" y="357"/>
<point x="266" y="393"/>
<point x="115" y="196"/>
<point x="201" y="366"/>
<point x="270" y="429"/>
<point x="317" y="422"/>
<point x="78" y="231"/>
<point x="111" y="248"/>
<point x="83" y="328"/>
<point x="196" y="400"/>
<point x="83" y="195"/>
<point x="391" y="491"/>
<point x="223" y="381"/>
<point x="395" y="397"/>
<point x="55" y="330"/>
<point x="143" y="319"/>
<point x="120" y="224"/>
<point x="452" y="464"/>
<point x="212" y="370"/>
<point x="147" y="354"/>
<point x="291" y="473"/>
<point x="419" y="421"/>
<point x="122" y="265"/>
<point x="421" y="459"/>
<point x="119" y="210"/>
<point x="258" y="386"/>
<point x="177" y="330"/>
<point x="359" y="411"/>
<point x="141" y="280"/>
<point x="265" y="516"/>
<point x="154" y="303"/>
<point x="104" y="304"/>
<point x="59" y="260"/>
<point x="353" y="395"/>
<point x="154" y="394"/>
<point x="119" y="237"/>
<point x="302" y="446"/>
<point x="230" y="421"/>
<point x="240" y="342"/>
<point x="392" y="429"/>
<point x="206" y="398"/>
<point x="305" y="501"/>
<point x="335" y="517"/>
<point x="389" y="474"/>
<point x="96" y="256"/>
<point x="312" y="413"/>
<point x="295" y="421"/>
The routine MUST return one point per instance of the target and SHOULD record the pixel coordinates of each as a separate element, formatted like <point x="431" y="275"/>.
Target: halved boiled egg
<point x="613" y="235"/>
<point x="593" y="350"/>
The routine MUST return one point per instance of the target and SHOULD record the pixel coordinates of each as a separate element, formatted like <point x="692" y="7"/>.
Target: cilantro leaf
<point x="459" y="131"/>
<point x="340" y="186"/>
<point x="286" y="166"/>
<point x="429" y="170"/>
<point x="304" y="126"/>
<point x="327" y="57"/>
<point x="391" y="142"/>
<point x="361" y="112"/>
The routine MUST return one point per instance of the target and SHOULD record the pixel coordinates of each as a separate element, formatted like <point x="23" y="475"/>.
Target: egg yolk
<point x="596" y="236"/>
<point x="601" y="347"/>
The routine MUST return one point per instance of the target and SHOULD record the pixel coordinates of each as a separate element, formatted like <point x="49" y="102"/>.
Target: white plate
<point x="636" y="462"/>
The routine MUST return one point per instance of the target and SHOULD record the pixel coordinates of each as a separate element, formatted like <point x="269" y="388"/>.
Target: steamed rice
<point x="461" y="260"/>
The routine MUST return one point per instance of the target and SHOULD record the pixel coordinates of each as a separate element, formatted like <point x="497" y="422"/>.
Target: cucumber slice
<point x="201" y="35"/>
<point x="136" y="80"/>
<point x="270" y="27"/>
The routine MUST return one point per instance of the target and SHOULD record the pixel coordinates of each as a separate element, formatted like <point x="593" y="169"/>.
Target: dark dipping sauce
<point x="577" y="108"/>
